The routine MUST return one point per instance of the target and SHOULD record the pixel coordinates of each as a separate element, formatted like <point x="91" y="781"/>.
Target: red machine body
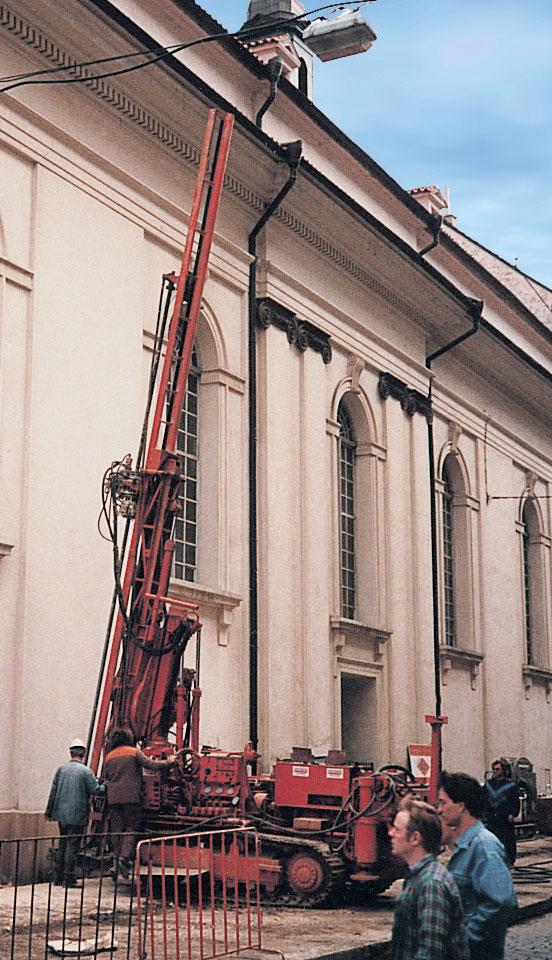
<point x="310" y="785"/>
<point x="323" y="822"/>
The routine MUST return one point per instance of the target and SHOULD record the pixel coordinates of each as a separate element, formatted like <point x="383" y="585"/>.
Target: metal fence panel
<point x="193" y="896"/>
<point x="198" y="895"/>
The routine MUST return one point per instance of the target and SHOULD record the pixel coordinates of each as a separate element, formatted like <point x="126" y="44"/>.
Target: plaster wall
<point x="83" y="408"/>
<point x="367" y="314"/>
<point x="282" y="657"/>
<point x="74" y="372"/>
<point x="14" y="356"/>
<point x="494" y="704"/>
<point x="404" y="666"/>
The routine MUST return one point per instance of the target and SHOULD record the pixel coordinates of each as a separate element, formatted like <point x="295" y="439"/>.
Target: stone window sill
<point x="537" y="675"/>
<point x="458" y="657"/>
<point x="222" y="603"/>
<point x="343" y="630"/>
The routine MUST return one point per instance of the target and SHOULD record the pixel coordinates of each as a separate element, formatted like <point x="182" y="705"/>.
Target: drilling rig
<point x="323" y="823"/>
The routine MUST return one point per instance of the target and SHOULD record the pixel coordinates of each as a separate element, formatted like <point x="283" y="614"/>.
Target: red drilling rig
<point x="323" y="823"/>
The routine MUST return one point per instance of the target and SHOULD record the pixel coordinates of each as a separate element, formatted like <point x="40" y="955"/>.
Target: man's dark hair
<point x="122" y="738"/>
<point x="425" y="820"/>
<point x="461" y="788"/>
<point x="505" y="765"/>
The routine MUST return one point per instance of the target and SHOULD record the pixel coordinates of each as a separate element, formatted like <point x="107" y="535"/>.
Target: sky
<point x="456" y="93"/>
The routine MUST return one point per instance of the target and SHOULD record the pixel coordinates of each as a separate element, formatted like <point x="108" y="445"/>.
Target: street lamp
<point x="346" y="35"/>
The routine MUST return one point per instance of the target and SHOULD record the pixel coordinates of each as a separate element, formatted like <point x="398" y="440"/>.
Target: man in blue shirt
<point x="479" y="866"/>
<point x="71" y="789"/>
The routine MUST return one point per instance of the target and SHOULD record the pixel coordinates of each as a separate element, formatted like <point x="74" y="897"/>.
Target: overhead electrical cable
<point x="43" y="77"/>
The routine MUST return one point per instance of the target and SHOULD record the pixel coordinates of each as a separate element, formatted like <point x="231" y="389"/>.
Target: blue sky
<point x="457" y="93"/>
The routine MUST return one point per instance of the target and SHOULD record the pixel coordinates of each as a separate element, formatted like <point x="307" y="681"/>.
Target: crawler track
<point x="311" y="874"/>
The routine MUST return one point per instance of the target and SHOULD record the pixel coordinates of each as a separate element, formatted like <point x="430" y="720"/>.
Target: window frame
<point x="185" y="556"/>
<point x="347" y="519"/>
<point x="535" y="591"/>
<point x="448" y="547"/>
<point x="461" y="571"/>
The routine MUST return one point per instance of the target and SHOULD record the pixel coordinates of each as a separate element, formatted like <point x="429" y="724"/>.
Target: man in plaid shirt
<point x="428" y="922"/>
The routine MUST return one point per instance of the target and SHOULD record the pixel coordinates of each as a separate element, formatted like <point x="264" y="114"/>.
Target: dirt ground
<point x="34" y="921"/>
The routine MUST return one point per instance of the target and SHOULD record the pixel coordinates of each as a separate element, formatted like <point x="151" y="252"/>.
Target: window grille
<point x="448" y="560"/>
<point x="527" y="586"/>
<point x="185" y="525"/>
<point x="347" y="446"/>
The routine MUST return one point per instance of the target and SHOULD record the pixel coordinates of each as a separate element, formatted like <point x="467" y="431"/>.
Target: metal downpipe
<point x="436" y="227"/>
<point x="275" y="68"/>
<point x="293" y="159"/>
<point x="476" y="311"/>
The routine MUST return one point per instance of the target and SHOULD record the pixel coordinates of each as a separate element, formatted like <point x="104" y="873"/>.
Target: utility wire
<point x="533" y="288"/>
<point x="518" y="496"/>
<point x="91" y="63"/>
<point x="157" y="53"/>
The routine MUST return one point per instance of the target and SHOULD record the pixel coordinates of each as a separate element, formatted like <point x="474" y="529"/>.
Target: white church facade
<point x="328" y="407"/>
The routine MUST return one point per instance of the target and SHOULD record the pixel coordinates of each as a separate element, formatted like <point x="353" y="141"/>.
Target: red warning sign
<point x="420" y="760"/>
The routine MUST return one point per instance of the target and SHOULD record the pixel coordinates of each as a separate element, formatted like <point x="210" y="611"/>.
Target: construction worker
<point x="502" y="796"/>
<point x="122" y="772"/>
<point x="72" y="786"/>
<point x="479" y="866"/>
<point x="428" y="919"/>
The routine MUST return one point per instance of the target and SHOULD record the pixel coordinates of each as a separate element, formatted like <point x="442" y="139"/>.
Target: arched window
<point x="347" y="448"/>
<point x="535" y="620"/>
<point x="459" y="581"/>
<point x="527" y="585"/>
<point x="185" y="526"/>
<point x="303" y="78"/>
<point x="448" y="558"/>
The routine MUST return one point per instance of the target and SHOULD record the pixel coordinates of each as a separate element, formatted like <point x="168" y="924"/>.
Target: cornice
<point x="411" y="401"/>
<point x="161" y="131"/>
<point x="123" y="103"/>
<point x="299" y="332"/>
<point x="446" y="404"/>
<point x="342" y="326"/>
<point x="344" y="262"/>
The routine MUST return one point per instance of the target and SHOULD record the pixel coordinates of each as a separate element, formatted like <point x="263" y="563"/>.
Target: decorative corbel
<point x="224" y="623"/>
<point x="379" y="647"/>
<point x="454" y="434"/>
<point x="446" y="664"/>
<point x="355" y="367"/>
<point x="548" y="686"/>
<point x="531" y="481"/>
<point x="527" y="683"/>
<point x="411" y="401"/>
<point x="339" y="640"/>
<point x="474" y="673"/>
<point x="300" y="333"/>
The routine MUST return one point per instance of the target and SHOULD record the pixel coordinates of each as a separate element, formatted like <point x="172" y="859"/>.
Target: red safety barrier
<point x="198" y="895"/>
<point x="192" y="897"/>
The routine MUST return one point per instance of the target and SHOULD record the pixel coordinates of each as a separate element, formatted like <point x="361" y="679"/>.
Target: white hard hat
<point x="77" y="744"/>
